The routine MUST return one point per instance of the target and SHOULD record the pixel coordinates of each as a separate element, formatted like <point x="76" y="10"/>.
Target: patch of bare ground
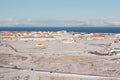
<point x="6" y="59"/>
<point x="57" y="78"/>
<point x="85" y="59"/>
<point x="64" y="63"/>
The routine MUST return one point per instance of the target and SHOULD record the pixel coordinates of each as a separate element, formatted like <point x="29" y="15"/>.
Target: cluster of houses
<point x="56" y="35"/>
<point x="65" y="37"/>
<point x="29" y="35"/>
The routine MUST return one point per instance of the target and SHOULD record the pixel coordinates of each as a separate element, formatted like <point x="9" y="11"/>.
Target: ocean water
<point x="69" y="29"/>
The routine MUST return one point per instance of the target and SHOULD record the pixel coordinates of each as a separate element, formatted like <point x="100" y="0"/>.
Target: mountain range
<point x="9" y="22"/>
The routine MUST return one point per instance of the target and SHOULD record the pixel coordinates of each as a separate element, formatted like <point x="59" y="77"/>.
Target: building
<point x="97" y="36"/>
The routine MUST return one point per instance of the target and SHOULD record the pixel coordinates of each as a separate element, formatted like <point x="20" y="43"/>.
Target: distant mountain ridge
<point x="58" y="23"/>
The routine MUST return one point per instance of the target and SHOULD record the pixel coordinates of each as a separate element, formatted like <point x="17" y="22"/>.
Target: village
<point x="59" y="55"/>
<point x="65" y="37"/>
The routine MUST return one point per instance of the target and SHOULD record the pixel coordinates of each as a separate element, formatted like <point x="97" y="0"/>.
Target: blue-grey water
<point x="69" y="29"/>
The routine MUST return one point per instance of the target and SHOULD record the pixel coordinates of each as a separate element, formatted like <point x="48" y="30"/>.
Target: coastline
<point x="68" y="29"/>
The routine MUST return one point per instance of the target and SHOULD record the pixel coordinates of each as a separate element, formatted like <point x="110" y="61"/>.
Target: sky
<point x="92" y="12"/>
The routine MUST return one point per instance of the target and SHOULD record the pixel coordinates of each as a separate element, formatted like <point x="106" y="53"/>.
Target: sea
<point x="68" y="29"/>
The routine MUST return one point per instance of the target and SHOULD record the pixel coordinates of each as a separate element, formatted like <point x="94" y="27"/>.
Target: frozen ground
<point x="55" y="60"/>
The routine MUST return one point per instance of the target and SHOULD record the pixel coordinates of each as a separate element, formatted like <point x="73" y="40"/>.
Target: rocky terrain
<point x="55" y="60"/>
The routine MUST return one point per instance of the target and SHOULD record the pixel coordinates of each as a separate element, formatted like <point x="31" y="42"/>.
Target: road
<point x="76" y="75"/>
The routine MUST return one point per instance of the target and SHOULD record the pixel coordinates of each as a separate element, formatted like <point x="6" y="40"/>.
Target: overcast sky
<point x="25" y="11"/>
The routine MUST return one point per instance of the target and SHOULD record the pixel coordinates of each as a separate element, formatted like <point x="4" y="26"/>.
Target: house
<point x="69" y="41"/>
<point x="115" y="51"/>
<point x="98" y="36"/>
<point x="39" y="45"/>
